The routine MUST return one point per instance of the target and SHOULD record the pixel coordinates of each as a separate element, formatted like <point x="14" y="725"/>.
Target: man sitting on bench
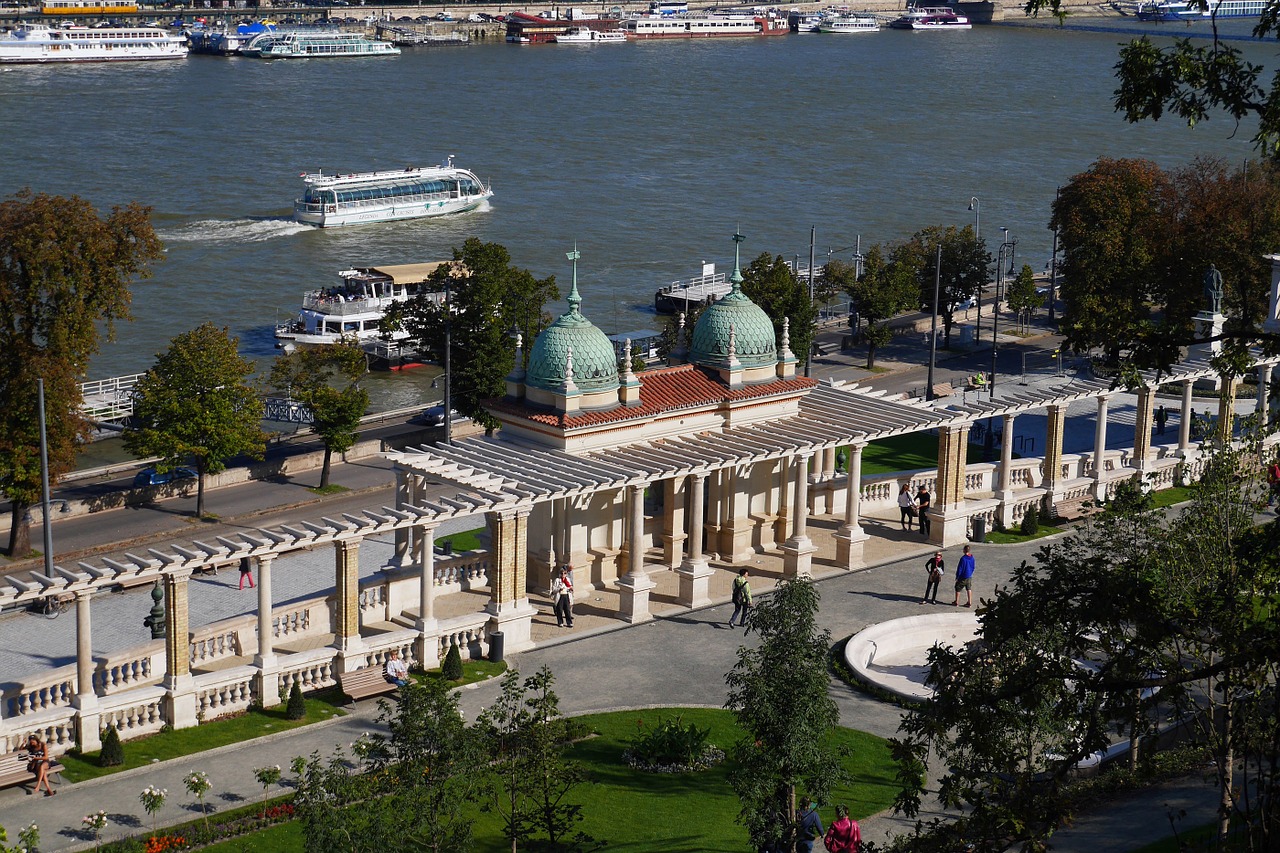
<point x="397" y="672"/>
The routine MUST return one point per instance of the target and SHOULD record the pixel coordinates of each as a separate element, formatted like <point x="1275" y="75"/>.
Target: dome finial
<point x="574" y="299"/>
<point x="736" y="278"/>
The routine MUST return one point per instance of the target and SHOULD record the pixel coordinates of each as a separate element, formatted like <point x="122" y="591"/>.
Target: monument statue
<point x="1213" y="289"/>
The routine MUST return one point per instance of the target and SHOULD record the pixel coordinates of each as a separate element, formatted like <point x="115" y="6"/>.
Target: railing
<point x="109" y="399"/>
<point x="286" y="411"/>
<point x="310" y="670"/>
<point x="223" y="643"/>
<point x="466" y="570"/>
<point x="341" y="307"/>
<point x="57" y="730"/>
<point x="470" y="633"/>
<point x="54" y="691"/>
<point x="136" y="713"/>
<point x="218" y="694"/>
<point x="130" y="669"/>
<point x="295" y="621"/>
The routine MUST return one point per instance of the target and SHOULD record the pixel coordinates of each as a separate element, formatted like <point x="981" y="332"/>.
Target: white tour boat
<point x="356" y="306"/>
<point x="586" y="35"/>
<point x="703" y="25"/>
<point x="386" y="196"/>
<point x="38" y="43"/>
<point x="317" y="45"/>
<point x="849" y="24"/>
<point x="931" y="18"/>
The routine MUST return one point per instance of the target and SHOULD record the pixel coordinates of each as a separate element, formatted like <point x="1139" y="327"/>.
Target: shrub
<point x="668" y="743"/>
<point x="1030" y="522"/>
<point x="112" y="754"/>
<point x="452" y="667"/>
<point x="296" y="709"/>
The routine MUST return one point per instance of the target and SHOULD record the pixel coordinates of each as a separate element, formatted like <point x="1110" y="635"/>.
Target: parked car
<point x="434" y="417"/>
<point x="152" y="477"/>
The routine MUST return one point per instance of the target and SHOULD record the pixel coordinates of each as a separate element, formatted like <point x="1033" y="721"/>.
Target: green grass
<point x="636" y="811"/>
<point x="906" y="453"/>
<point x="210" y="735"/>
<point x="467" y="540"/>
<point x="331" y="489"/>
<point x="1011" y="537"/>
<point x="472" y="671"/>
<point x="1170" y="496"/>
<point x="1199" y="839"/>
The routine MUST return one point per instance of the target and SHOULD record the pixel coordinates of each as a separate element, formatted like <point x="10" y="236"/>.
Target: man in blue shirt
<point x="809" y="826"/>
<point x="964" y="578"/>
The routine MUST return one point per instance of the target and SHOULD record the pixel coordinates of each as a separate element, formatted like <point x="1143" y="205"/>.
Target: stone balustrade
<point x="228" y="691"/>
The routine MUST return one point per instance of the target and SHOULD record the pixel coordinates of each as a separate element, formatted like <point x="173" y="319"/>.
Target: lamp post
<point x="44" y="482"/>
<point x="975" y="207"/>
<point x="813" y="337"/>
<point x="448" y="377"/>
<point x="1053" y="263"/>
<point x="1009" y="246"/>
<point x="933" y="323"/>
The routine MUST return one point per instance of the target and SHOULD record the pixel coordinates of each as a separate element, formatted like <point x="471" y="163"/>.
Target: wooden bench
<point x="363" y="683"/>
<point x="13" y="770"/>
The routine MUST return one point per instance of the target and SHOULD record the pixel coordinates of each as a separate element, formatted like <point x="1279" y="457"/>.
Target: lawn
<point x="906" y="453"/>
<point x="211" y="735"/>
<point x="472" y="671"/>
<point x="629" y="810"/>
<point x="467" y="540"/>
<point x="1012" y="537"/>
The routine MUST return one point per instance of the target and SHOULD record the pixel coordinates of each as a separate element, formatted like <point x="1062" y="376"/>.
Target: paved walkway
<point x="678" y="659"/>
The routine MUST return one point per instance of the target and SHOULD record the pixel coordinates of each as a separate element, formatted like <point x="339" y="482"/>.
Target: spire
<point x="574" y="299"/>
<point x="786" y="339"/>
<point x="679" y="354"/>
<point x="626" y="361"/>
<point x="736" y="278"/>
<point x="569" y="384"/>
<point x="517" y="371"/>
<point x="732" y="356"/>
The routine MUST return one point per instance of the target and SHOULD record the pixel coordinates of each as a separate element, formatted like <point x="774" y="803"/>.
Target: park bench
<point x="363" y="683"/>
<point x="13" y="770"/>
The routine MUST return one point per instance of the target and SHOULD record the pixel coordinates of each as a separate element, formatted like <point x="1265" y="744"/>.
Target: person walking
<point x="1162" y="417"/>
<point x="1273" y="481"/>
<point x="964" y="578"/>
<point x="844" y="835"/>
<point x="808" y="826"/>
<point x="934" y="569"/>
<point x="741" y="599"/>
<point x="246" y="572"/>
<point x="907" y="506"/>
<point x="562" y="597"/>
<point x="922" y="509"/>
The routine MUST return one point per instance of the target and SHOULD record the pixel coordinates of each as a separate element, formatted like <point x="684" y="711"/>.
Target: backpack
<point x="737" y="591"/>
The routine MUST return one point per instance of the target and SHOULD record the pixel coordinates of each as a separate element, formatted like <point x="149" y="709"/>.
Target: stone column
<point x="850" y="538"/>
<point x="402" y="499"/>
<point x="88" y="720"/>
<point x="1226" y="410"/>
<point x="673" y="526"/>
<point x="1184" y="422"/>
<point x="797" y="551"/>
<point x="828" y="502"/>
<point x="782" y="524"/>
<point x="509" y="608"/>
<point x="267" y="678"/>
<point x="1264" y="384"/>
<point x="179" y="698"/>
<point x="737" y="529"/>
<point x="1006" y="491"/>
<point x="633" y="588"/>
<point x="950" y="518"/>
<point x="1056" y="423"/>
<point x="428" y="627"/>
<point x="1142" y="428"/>
<point x="346" y="618"/>
<point x="694" y="572"/>
<point x="1100" y="451"/>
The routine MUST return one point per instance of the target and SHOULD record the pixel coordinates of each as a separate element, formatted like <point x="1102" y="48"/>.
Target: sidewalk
<point x="613" y="667"/>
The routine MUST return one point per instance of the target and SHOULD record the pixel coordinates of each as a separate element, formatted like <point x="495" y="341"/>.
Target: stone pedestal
<point x="695" y="580"/>
<point x="633" y="597"/>
<point x="88" y="722"/>
<point x="180" y="702"/>
<point x="797" y="557"/>
<point x="850" y="547"/>
<point x="266" y="681"/>
<point x="1208" y="325"/>
<point x="515" y="620"/>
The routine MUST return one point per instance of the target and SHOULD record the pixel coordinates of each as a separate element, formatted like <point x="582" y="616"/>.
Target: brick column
<point x="694" y="572"/>
<point x="950" y="519"/>
<point x="88" y="721"/>
<point x="1227" y="410"/>
<point x="346" y="617"/>
<point x="179" y="699"/>
<point x="1056" y="423"/>
<point x="633" y="588"/>
<point x="1006" y="491"/>
<point x="267" y="679"/>
<point x="428" y="627"/>
<point x="1142" y="428"/>
<point x="1100" y="451"/>
<point x="797" y="551"/>
<point x="509" y="608"/>
<point x="850" y="538"/>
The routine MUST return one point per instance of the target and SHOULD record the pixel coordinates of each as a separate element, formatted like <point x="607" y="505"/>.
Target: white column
<point x="634" y="587"/>
<point x="403" y="498"/>
<point x="1100" y="451"/>
<point x="86" y="699"/>
<point x="268" y="681"/>
<point x="694" y="572"/>
<point x="850" y="537"/>
<point x="797" y="552"/>
<point x="1184" y="423"/>
<point x="1005" y="492"/>
<point x="1264" y="384"/>
<point x="428" y="628"/>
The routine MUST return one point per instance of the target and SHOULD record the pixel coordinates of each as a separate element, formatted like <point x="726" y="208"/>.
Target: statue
<point x="1213" y="289"/>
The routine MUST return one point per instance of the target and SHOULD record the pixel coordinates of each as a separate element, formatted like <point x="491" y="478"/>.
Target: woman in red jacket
<point x="843" y="836"/>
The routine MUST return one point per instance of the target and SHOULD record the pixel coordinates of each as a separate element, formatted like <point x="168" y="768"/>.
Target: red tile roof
<point x="663" y="390"/>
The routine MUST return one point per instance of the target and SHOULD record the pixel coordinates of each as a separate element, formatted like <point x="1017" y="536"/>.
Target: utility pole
<point x="813" y="339"/>
<point x="933" y="324"/>
<point x="44" y="483"/>
<point x="448" y="376"/>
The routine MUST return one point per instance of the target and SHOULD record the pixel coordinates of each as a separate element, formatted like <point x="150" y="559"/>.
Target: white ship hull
<point x="391" y="212"/>
<point x="39" y="44"/>
<point x="333" y="200"/>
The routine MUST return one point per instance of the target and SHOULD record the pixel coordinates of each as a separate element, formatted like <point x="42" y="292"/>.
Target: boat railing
<point x="339" y="306"/>
<point x="696" y="283"/>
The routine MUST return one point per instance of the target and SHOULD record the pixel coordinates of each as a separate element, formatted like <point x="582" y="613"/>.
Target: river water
<point x="647" y="156"/>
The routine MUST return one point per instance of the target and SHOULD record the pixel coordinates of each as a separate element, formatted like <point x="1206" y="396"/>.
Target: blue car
<point x="152" y="477"/>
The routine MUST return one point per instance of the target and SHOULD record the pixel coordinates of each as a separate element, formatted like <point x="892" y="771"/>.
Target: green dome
<point x="595" y="364"/>
<point x="754" y="342"/>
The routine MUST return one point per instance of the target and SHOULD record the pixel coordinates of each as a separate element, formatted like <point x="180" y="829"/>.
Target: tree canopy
<point x="309" y="375"/>
<point x="883" y="291"/>
<point x="490" y="300"/>
<point x="64" y="281"/>
<point x="964" y="268"/>
<point x="196" y="406"/>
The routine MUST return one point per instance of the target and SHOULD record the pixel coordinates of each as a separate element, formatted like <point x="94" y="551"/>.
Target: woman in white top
<point x="907" y="504"/>
<point x="562" y="597"/>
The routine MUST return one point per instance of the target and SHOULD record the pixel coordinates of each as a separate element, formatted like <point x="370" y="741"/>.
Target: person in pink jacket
<point x="843" y="836"/>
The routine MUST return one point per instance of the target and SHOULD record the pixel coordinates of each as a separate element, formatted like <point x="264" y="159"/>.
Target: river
<point x="646" y="156"/>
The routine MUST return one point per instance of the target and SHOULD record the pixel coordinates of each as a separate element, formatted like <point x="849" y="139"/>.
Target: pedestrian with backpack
<point x="741" y="599"/>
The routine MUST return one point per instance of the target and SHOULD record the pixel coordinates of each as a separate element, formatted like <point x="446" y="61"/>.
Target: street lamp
<point x="1009" y="247"/>
<point x="975" y="207"/>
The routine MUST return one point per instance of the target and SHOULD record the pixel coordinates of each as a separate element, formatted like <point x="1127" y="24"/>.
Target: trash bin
<point x="979" y="531"/>
<point x="497" y="647"/>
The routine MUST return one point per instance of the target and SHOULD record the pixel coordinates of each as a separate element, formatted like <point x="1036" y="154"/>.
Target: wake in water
<point x="250" y="230"/>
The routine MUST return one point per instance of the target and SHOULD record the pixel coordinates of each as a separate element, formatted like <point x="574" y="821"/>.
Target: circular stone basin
<point x="894" y="655"/>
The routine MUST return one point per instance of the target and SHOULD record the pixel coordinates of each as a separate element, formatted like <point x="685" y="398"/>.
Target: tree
<point x="1022" y="296"/>
<point x="882" y="292"/>
<point x="64" y="281"/>
<point x="195" y="405"/>
<point x="489" y="299"/>
<point x="964" y="268"/>
<point x="1128" y="623"/>
<point x="308" y="375"/>
<point x="770" y="283"/>
<point x="778" y="693"/>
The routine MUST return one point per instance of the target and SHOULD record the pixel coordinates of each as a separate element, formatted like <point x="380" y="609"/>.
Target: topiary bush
<point x="112" y="754"/>
<point x="671" y="747"/>
<point x="452" y="666"/>
<point x="1030" y="522"/>
<point x="296" y="709"/>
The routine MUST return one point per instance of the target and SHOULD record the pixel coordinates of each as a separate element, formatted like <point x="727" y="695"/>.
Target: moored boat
<point x="40" y="43"/>
<point x="317" y="45"/>
<point x="586" y="35"/>
<point x="849" y="24"/>
<point x="931" y="18"/>
<point x="1183" y="10"/>
<point x="804" y="22"/>
<point x="356" y="307"/>
<point x="411" y="193"/>
<point x="703" y="25"/>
